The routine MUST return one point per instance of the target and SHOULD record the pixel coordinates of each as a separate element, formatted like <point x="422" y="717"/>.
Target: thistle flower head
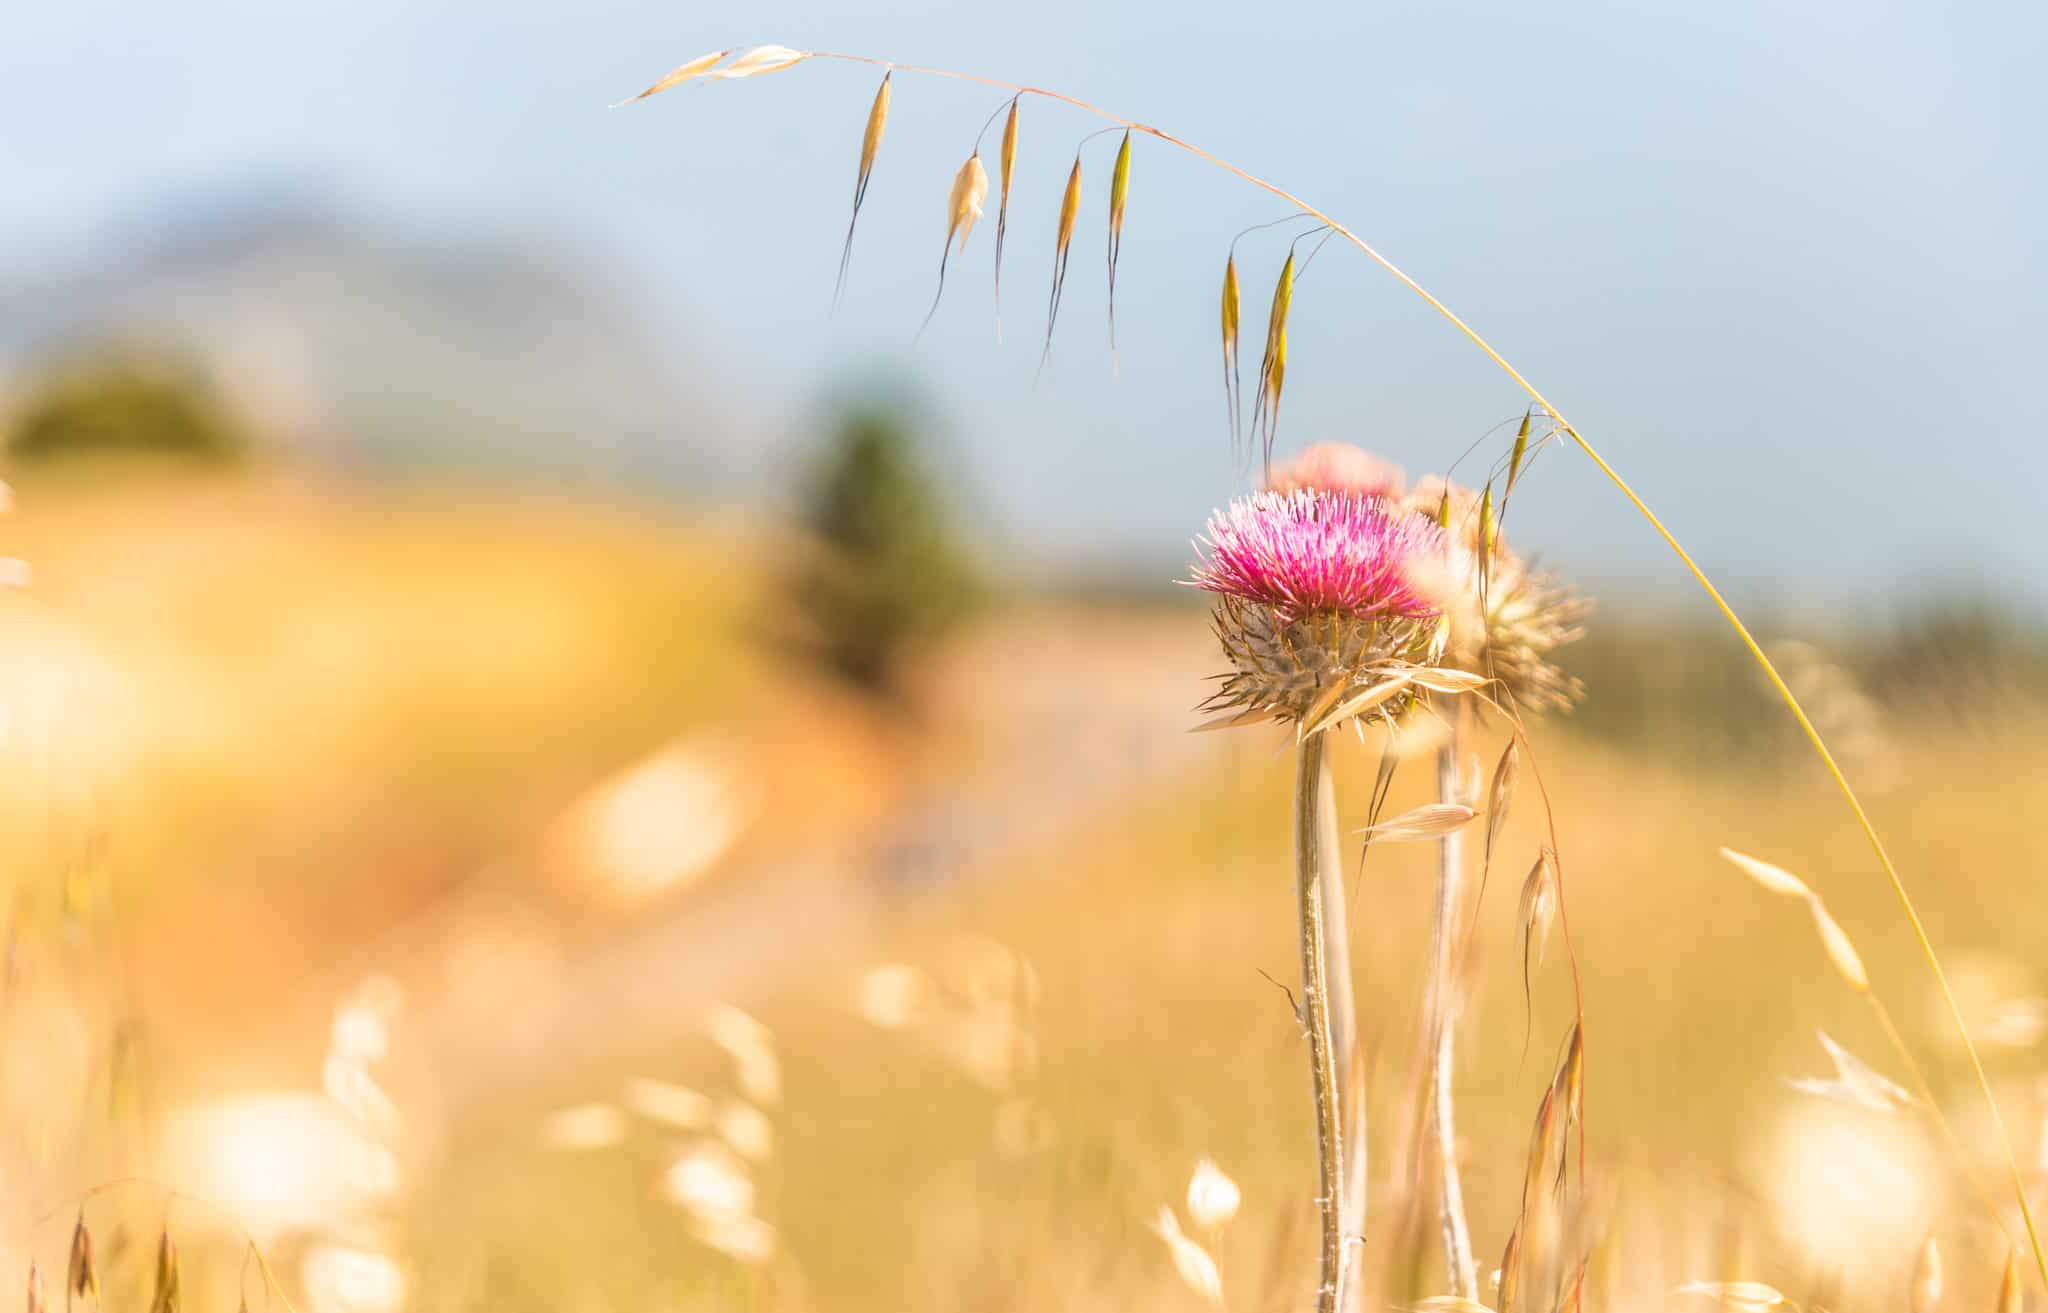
<point x="1310" y="552"/>
<point x="1337" y="467"/>
<point x="1318" y="592"/>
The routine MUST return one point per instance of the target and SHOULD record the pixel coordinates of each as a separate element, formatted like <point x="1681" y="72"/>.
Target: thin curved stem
<point x="1756" y="652"/>
<point x="1316" y="865"/>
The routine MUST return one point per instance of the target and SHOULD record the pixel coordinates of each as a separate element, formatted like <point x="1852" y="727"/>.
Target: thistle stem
<point x="1345" y="1044"/>
<point x="1316" y="868"/>
<point x="1444" y="1007"/>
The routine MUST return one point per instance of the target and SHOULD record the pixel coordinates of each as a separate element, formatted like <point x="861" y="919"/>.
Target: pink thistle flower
<point x="1337" y="467"/>
<point x="1309" y="553"/>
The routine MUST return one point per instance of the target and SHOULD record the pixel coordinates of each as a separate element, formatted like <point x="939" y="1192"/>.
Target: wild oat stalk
<point x="771" y="58"/>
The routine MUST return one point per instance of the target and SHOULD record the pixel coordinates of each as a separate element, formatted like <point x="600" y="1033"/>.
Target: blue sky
<point x="1784" y="263"/>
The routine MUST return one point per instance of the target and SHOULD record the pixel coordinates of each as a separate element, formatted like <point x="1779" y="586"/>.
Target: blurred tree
<point x="123" y="404"/>
<point x="889" y="573"/>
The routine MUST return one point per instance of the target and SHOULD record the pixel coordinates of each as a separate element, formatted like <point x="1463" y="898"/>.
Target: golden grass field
<point x="266" y="742"/>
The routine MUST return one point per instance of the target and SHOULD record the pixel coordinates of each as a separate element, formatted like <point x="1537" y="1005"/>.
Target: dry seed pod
<point x="870" y="144"/>
<point x="681" y="73"/>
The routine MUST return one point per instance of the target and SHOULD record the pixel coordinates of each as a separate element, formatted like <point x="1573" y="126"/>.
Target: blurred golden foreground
<point x="461" y="898"/>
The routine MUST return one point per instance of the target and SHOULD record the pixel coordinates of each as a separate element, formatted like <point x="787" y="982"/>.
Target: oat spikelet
<point x="35" y="1288"/>
<point x="761" y="59"/>
<point x="1927" y="1279"/>
<point x="963" y="207"/>
<point x="870" y="143"/>
<point x="1432" y="820"/>
<point x="169" y="1296"/>
<point x="1840" y="951"/>
<point x="1500" y="793"/>
<point x="1536" y="914"/>
<point x="1232" y="375"/>
<point x="1776" y="879"/>
<point x="1449" y="1304"/>
<point x="1006" y="168"/>
<point x="1273" y="363"/>
<point x="1119" y="194"/>
<point x="681" y="73"/>
<point x="1070" y="210"/>
<point x="1515" y="457"/>
<point x="82" y="1277"/>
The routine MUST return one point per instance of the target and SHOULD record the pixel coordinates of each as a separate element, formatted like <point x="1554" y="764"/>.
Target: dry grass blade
<point x="1432" y="820"/>
<point x="1273" y="362"/>
<point x="1774" y="878"/>
<point x="1231" y="373"/>
<point x="1070" y="210"/>
<point x="1119" y="194"/>
<point x="679" y="74"/>
<point x="1006" y="168"/>
<point x="1926" y="1297"/>
<point x="870" y="143"/>
<point x="761" y="59"/>
<point x="963" y="207"/>
<point x="1742" y="1296"/>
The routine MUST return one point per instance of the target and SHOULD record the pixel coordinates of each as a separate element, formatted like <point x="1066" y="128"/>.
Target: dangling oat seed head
<point x="680" y="74"/>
